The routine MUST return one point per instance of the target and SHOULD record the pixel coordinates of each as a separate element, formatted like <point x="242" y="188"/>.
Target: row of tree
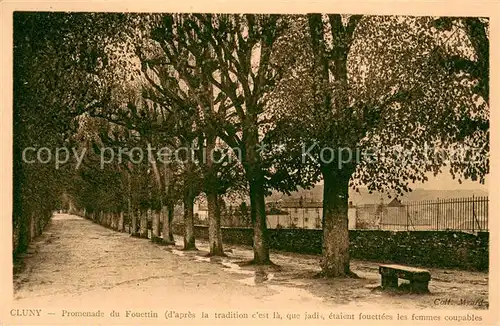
<point x="55" y="80"/>
<point x="281" y="101"/>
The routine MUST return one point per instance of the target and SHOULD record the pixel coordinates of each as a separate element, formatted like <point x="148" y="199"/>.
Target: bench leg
<point x="419" y="287"/>
<point x="389" y="281"/>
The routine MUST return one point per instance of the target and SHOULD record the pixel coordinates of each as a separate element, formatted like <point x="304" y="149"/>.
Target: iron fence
<point x="468" y="214"/>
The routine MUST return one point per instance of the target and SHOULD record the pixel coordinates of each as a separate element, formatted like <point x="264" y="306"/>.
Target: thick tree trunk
<point x="168" y="238"/>
<point x="156" y="226"/>
<point x="130" y="214"/>
<point x="121" y="223"/>
<point x="258" y="214"/>
<point x="214" y="231"/>
<point x="170" y="214"/>
<point x="189" y="239"/>
<point x="143" y="231"/>
<point x="114" y="221"/>
<point x="335" y="261"/>
<point x="133" y="222"/>
<point x="155" y="220"/>
<point x="149" y="221"/>
<point x="32" y="227"/>
<point x="255" y="177"/>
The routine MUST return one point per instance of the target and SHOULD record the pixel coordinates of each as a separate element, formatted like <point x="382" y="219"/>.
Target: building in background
<point x="302" y="214"/>
<point x="465" y="214"/>
<point x="277" y="218"/>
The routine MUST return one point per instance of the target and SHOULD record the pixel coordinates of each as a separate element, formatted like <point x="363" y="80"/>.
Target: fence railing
<point x="463" y="214"/>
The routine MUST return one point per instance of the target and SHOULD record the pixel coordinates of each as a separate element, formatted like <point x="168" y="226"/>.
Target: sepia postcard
<point x="249" y="162"/>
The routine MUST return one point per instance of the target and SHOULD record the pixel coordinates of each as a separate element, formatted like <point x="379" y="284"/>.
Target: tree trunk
<point x="189" y="239"/>
<point x="130" y="214"/>
<point x="170" y="214"/>
<point x="133" y="218"/>
<point x="121" y="223"/>
<point x="335" y="261"/>
<point x="156" y="225"/>
<point x="39" y="224"/>
<point x="168" y="238"/>
<point x="214" y="231"/>
<point x="255" y="178"/>
<point x="149" y="221"/>
<point x="32" y="227"/>
<point x="258" y="214"/>
<point x="143" y="231"/>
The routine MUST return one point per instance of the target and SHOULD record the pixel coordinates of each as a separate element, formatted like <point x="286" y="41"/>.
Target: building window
<point x="306" y="219"/>
<point x="296" y="210"/>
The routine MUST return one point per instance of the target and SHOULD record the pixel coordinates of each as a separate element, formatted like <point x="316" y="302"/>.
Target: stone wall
<point x="446" y="249"/>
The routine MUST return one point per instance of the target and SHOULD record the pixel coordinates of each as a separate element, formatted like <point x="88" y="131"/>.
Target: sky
<point x="444" y="181"/>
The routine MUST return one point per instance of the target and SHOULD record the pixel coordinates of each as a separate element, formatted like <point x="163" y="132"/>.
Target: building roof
<point x="395" y="203"/>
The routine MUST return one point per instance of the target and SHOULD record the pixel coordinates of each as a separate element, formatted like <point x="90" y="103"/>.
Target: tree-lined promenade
<point x="251" y="90"/>
<point x="80" y="266"/>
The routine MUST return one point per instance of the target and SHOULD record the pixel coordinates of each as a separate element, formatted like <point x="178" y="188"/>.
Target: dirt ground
<point x="77" y="262"/>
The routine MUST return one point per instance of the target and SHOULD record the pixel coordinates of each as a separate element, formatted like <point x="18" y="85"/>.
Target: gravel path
<point x="76" y="262"/>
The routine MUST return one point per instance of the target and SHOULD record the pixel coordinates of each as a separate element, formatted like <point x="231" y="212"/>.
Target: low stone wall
<point x="446" y="249"/>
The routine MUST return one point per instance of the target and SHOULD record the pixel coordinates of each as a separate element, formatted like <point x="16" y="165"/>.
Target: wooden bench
<point x="419" y="278"/>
